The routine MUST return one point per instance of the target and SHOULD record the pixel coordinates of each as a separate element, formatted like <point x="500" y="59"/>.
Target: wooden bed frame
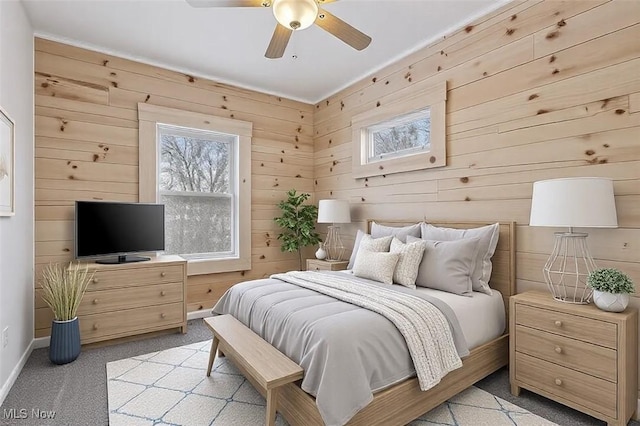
<point x="404" y="402"/>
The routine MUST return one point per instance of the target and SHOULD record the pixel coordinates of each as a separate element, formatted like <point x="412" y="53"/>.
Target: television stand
<point x="122" y="259"/>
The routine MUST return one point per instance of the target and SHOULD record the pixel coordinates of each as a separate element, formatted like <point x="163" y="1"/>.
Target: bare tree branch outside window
<point x="196" y="186"/>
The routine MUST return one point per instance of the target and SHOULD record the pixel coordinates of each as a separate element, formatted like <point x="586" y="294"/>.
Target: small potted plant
<point x="298" y="221"/>
<point x="62" y="290"/>
<point x="611" y="289"/>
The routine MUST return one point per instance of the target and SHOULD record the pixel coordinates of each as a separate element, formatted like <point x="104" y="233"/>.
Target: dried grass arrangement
<point x="63" y="287"/>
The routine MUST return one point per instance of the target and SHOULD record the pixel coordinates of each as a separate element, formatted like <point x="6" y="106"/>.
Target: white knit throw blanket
<point x="425" y="329"/>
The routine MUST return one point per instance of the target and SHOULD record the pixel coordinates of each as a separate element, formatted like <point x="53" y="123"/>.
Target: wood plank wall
<point x="537" y="90"/>
<point x="87" y="148"/>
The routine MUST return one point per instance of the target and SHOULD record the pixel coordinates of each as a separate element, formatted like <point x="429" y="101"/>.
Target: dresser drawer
<point x="572" y="386"/>
<point x="122" y="277"/>
<point x="129" y="298"/>
<point x="586" y="329"/>
<point x="585" y="357"/>
<point x="130" y="321"/>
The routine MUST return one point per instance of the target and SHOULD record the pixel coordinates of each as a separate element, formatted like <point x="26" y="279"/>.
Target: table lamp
<point x="334" y="211"/>
<point x="584" y="202"/>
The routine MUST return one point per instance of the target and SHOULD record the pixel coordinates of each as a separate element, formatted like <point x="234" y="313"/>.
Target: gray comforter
<point x="347" y="352"/>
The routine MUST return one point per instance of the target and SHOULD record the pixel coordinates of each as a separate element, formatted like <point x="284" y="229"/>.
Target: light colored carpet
<point x="170" y="387"/>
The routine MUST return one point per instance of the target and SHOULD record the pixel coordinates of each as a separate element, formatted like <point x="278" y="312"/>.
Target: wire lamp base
<point x="333" y="244"/>
<point x="567" y="269"/>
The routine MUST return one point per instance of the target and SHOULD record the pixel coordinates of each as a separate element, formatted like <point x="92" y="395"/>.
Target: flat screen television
<point x="117" y="230"/>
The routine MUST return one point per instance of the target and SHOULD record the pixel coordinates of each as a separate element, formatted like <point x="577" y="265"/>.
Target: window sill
<point x="214" y="266"/>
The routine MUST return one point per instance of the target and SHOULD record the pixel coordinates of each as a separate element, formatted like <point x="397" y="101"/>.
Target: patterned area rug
<point x="171" y="388"/>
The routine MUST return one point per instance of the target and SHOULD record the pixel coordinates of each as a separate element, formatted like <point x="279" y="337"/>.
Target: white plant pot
<point x="321" y="254"/>
<point x="610" y="302"/>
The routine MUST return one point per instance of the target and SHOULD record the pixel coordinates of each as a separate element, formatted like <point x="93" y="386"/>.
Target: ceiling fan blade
<point x="228" y="3"/>
<point x="278" y="43"/>
<point x="345" y="32"/>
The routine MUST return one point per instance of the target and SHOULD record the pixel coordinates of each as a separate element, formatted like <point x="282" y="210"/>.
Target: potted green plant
<point x="298" y="221"/>
<point x="611" y="289"/>
<point x="62" y="290"/>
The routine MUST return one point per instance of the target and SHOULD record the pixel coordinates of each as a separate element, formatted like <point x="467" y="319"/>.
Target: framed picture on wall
<point x="7" y="157"/>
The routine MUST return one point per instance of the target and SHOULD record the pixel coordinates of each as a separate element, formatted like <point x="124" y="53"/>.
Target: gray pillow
<point x="400" y="232"/>
<point x="448" y="265"/>
<point x="356" y="246"/>
<point x="488" y="236"/>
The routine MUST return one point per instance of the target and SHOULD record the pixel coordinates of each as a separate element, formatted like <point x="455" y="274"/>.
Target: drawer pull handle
<point x="95" y="280"/>
<point x="162" y="315"/>
<point x="558" y="382"/>
<point x="162" y="274"/>
<point x="558" y="350"/>
<point x="95" y="301"/>
<point x="209" y="291"/>
<point x="95" y="326"/>
<point x="558" y="323"/>
<point x="162" y="293"/>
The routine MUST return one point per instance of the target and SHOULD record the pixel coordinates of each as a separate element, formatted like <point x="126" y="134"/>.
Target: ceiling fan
<point x="295" y="15"/>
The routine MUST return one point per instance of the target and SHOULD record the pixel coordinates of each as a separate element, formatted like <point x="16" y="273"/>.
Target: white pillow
<point x="400" y="232"/>
<point x="384" y="246"/>
<point x="488" y="236"/>
<point x="448" y="265"/>
<point x="377" y="266"/>
<point x="409" y="261"/>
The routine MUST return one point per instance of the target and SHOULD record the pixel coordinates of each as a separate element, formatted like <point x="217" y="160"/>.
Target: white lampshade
<point x="295" y="14"/>
<point x="334" y="211"/>
<point x="584" y="202"/>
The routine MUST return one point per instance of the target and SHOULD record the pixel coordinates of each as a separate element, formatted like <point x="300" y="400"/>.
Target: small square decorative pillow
<point x="409" y="261"/>
<point x="380" y="244"/>
<point x="488" y="236"/>
<point x="448" y="265"/>
<point x="377" y="266"/>
<point x="400" y="232"/>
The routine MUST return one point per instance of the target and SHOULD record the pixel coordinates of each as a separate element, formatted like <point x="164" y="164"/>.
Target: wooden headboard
<point x="503" y="276"/>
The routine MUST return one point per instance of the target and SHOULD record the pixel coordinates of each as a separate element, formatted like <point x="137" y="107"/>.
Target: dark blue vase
<point x="65" y="341"/>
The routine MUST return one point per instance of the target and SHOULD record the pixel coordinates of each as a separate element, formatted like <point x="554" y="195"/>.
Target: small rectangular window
<point x="197" y="183"/>
<point x="401" y="136"/>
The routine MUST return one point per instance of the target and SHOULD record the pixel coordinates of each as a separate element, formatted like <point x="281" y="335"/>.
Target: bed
<point x="402" y="400"/>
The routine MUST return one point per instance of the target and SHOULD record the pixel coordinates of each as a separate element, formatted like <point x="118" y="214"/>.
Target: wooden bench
<point x="267" y="366"/>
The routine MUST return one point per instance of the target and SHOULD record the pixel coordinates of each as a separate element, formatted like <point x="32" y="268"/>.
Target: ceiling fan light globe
<point x="295" y="14"/>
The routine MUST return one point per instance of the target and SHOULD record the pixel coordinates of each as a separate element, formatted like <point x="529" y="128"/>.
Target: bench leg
<point x="272" y="402"/>
<point x="212" y="354"/>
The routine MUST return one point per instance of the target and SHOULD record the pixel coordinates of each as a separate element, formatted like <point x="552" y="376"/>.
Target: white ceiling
<point x="228" y="44"/>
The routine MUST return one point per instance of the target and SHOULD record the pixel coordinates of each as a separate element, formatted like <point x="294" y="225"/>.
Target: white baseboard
<point x="6" y="387"/>
<point x="41" y="342"/>
<point x="199" y="314"/>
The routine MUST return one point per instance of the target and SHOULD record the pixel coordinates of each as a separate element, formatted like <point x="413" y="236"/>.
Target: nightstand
<point x="326" y="265"/>
<point x="576" y="355"/>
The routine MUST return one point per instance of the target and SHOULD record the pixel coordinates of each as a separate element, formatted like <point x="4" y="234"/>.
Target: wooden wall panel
<point x="537" y="90"/>
<point x="87" y="148"/>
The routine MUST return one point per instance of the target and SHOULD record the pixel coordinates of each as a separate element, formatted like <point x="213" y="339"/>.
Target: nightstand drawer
<point x="326" y="265"/>
<point x="585" y="357"/>
<point x="576" y="327"/>
<point x="564" y="383"/>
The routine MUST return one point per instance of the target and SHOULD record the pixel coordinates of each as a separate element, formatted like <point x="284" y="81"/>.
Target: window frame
<point x="150" y="118"/>
<point x="434" y="98"/>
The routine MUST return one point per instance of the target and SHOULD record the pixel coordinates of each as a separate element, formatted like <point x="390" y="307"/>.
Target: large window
<point x="199" y="167"/>
<point x="196" y="183"/>
<point x="401" y="136"/>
